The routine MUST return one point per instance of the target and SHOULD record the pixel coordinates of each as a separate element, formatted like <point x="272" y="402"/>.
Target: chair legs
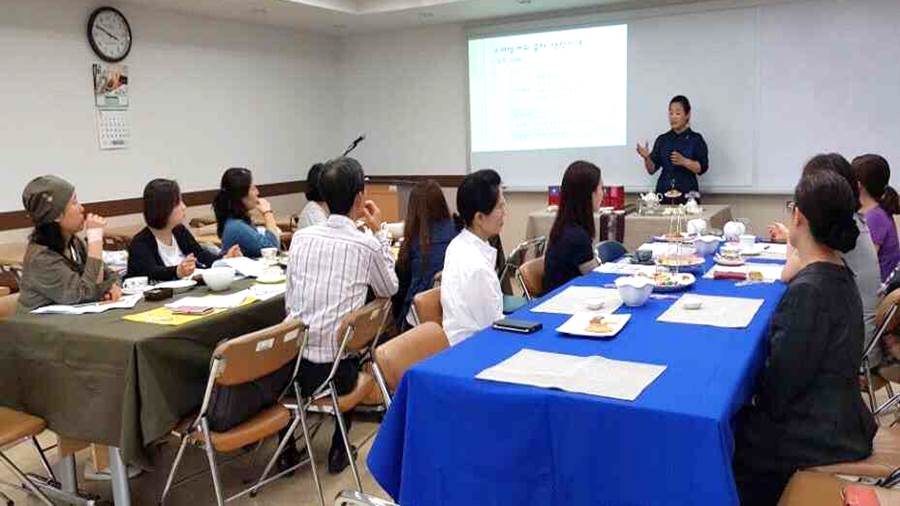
<point x="211" y="456"/>
<point x="870" y="389"/>
<point x="382" y="384"/>
<point x="25" y="480"/>
<point x="175" y="464"/>
<point x="339" y="418"/>
<point x="312" y="463"/>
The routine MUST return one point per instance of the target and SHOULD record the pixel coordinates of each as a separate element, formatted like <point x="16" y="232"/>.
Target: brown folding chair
<point x="354" y="498"/>
<point x="359" y="333"/>
<point x="426" y="307"/>
<point x="235" y="362"/>
<point x="396" y="356"/>
<point x="17" y="427"/>
<point x="8" y="305"/>
<point x="885" y="458"/>
<point x="817" y="489"/>
<point x="887" y="316"/>
<point x="531" y="277"/>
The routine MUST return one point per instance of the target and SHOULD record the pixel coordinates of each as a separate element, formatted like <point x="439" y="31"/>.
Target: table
<point x="451" y="439"/>
<point x="638" y="228"/>
<point x="605" y="224"/>
<point x="124" y="384"/>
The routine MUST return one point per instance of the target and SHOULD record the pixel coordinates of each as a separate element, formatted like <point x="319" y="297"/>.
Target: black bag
<point x="233" y="405"/>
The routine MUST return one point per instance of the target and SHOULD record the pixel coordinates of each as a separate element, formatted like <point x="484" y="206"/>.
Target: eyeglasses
<point x="790" y="205"/>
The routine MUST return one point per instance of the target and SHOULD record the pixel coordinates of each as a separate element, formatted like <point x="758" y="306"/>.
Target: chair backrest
<point x="531" y="275"/>
<point x="366" y="322"/>
<point x="610" y="251"/>
<point x="8" y="305"/>
<point x="396" y="356"/>
<point x="258" y="354"/>
<point x="884" y="306"/>
<point x="428" y="306"/>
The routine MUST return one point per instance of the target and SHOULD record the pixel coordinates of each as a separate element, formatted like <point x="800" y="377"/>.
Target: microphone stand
<point x="353" y="145"/>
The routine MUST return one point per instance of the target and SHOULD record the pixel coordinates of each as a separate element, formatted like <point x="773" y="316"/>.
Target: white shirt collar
<point x="488" y="251"/>
<point x="340" y="221"/>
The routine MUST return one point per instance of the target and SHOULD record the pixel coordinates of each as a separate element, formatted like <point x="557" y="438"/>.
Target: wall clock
<point x="109" y="34"/>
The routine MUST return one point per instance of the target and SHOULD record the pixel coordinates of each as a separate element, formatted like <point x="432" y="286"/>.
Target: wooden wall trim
<point x="11" y="220"/>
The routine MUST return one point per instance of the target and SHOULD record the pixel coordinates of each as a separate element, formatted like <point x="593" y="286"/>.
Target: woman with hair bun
<point x="879" y="203"/>
<point x="806" y="409"/>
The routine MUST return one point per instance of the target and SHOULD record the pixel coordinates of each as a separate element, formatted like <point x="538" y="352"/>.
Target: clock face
<point x="109" y="34"/>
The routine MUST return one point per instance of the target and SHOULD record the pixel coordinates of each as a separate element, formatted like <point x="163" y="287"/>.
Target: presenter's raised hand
<point x="643" y="150"/>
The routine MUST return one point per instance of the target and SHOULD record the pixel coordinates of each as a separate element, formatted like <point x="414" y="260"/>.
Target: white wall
<point x="205" y="95"/>
<point x="817" y="75"/>
<point x="406" y="91"/>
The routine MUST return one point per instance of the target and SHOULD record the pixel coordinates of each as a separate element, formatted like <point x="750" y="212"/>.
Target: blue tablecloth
<point x="450" y="439"/>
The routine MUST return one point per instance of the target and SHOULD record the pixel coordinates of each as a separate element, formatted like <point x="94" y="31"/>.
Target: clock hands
<point x="104" y="30"/>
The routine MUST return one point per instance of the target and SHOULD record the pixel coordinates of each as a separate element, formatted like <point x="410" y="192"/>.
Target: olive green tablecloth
<point x="103" y="379"/>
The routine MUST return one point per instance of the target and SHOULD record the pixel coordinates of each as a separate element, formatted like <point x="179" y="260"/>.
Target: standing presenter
<point x="681" y="154"/>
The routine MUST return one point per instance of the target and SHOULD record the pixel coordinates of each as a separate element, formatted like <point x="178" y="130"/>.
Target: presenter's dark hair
<point x="478" y="193"/>
<point x="683" y="100"/>
<point x="874" y="174"/>
<point x="161" y="196"/>
<point x="826" y="200"/>
<point x="340" y="182"/>
<point x="229" y="202"/>
<point x="576" y="205"/>
<point x="312" y="183"/>
<point x="834" y="162"/>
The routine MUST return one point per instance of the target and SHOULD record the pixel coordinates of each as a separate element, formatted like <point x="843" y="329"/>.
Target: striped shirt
<point x="331" y="267"/>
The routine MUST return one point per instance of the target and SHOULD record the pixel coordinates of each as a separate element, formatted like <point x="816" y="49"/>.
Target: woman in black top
<point x="681" y="153"/>
<point x="165" y="250"/>
<point x="570" y="251"/>
<point x="807" y="409"/>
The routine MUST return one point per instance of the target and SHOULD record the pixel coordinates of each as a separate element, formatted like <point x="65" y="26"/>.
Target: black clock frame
<point x="92" y="42"/>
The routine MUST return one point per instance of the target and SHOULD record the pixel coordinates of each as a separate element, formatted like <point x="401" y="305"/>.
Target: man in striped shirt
<point x="331" y="268"/>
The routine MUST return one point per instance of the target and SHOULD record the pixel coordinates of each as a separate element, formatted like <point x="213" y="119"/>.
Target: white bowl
<point x="707" y="244"/>
<point x="634" y="290"/>
<point x="218" y="278"/>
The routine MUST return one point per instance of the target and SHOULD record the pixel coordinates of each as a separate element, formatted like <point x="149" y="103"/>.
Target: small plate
<point x="683" y="262"/>
<point x="728" y="262"/>
<point x="577" y="325"/>
<point x="135" y="291"/>
<point x="178" y="285"/>
<point x="681" y="238"/>
<point x="685" y="281"/>
<point x="271" y="280"/>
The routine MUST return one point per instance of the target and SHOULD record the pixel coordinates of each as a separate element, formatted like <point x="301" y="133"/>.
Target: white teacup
<point x="269" y="255"/>
<point x="748" y="241"/>
<point x="136" y="283"/>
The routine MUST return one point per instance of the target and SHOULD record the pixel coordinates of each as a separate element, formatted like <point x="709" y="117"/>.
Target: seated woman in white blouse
<point x="315" y="212"/>
<point x="470" y="289"/>
<point x="165" y="249"/>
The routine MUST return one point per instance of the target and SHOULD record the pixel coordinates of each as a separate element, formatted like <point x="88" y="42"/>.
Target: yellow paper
<point x="165" y="316"/>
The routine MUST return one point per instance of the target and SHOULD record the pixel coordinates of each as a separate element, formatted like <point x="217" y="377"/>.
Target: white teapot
<point x="651" y="199"/>
<point x="733" y="230"/>
<point x="692" y="207"/>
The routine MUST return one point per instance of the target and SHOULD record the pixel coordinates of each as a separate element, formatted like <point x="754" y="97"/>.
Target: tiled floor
<point x="145" y="489"/>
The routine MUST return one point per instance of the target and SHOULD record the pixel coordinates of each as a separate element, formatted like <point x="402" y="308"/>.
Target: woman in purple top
<point x="879" y="203"/>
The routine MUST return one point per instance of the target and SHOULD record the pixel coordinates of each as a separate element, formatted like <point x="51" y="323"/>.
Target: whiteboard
<point x="771" y="83"/>
<point x="830" y="81"/>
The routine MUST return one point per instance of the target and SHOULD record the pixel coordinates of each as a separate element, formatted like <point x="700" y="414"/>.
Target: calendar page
<point x="112" y="127"/>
